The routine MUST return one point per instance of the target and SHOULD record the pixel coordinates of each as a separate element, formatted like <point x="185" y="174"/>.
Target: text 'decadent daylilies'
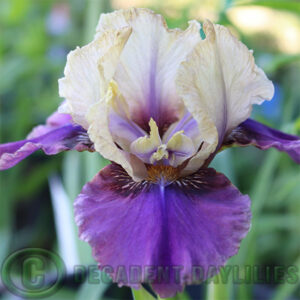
<point x="159" y="104"/>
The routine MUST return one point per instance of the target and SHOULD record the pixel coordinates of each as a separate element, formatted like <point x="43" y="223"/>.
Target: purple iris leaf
<point x="58" y="135"/>
<point x="263" y="137"/>
<point x="139" y="230"/>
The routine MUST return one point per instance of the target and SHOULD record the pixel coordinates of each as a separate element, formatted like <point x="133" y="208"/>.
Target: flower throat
<point x="161" y="173"/>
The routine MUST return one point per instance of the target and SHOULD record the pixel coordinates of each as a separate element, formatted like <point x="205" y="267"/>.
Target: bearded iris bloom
<point x="159" y="104"/>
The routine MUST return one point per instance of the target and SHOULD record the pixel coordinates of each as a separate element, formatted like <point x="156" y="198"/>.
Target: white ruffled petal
<point x="219" y="82"/>
<point x="88" y="72"/>
<point x="220" y="75"/>
<point x="149" y="62"/>
<point x="100" y="134"/>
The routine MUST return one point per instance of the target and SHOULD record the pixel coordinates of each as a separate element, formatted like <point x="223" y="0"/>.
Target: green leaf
<point x="216" y="291"/>
<point x="288" y="5"/>
<point x="179" y="296"/>
<point x="94" y="8"/>
<point x="279" y="61"/>
<point x="89" y="291"/>
<point x="71" y="174"/>
<point x="93" y="163"/>
<point x="141" y="294"/>
<point x="285" y="290"/>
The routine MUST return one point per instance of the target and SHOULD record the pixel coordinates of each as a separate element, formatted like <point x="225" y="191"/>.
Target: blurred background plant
<point x="37" y="195"/>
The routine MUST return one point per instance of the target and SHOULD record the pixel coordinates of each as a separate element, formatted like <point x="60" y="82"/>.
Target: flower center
<point x="172" y="149"/>
<point x="162" y="173"/>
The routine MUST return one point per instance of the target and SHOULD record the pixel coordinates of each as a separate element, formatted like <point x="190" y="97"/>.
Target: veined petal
<point x="88" y="71"/>
<point x="194" y="223"/>
<point x="149" y="62"/>
<point x="55" y="120"/>
<point x="99" y="132"/>
<point x="190" y="127"/>
<point x="181" y="148"/>
<point x="123" y="130"/>
<point x="208" y="139"/>
<point x="263" y="137"/>
<point x="59" y="134"/>
<point x="220" y="80"/>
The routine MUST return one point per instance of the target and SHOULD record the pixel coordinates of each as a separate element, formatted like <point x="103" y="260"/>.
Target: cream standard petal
<point x="150" y="60"/>
<point x="221" y="79"/>
<point x="99" y="133"/>
<point x="88" y="71"/>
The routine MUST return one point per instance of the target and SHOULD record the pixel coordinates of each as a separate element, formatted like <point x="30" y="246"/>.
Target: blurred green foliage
<point x="32" y="58"/>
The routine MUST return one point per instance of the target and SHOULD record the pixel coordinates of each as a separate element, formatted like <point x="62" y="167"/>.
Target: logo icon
<point x="33" y="272"/>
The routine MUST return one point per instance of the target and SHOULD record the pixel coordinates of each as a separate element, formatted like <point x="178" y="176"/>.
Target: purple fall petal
<point x="194" y="223"/>
<point x="59" y="134"/>
<point x="263" y="137"/>
<point x="53" y="121"/>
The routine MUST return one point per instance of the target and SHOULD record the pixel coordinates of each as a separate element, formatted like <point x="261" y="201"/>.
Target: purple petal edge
<point x="55" y="120"/>
<point x="263" y="137"/>
<point x="194" y="223"/>
<point x="59" y="134"/>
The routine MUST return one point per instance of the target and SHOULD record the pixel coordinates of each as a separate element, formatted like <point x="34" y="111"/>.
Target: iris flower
<point x="159" y="104"/>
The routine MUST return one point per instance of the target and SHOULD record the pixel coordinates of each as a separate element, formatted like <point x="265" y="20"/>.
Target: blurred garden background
<point x="37" y="195"/>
